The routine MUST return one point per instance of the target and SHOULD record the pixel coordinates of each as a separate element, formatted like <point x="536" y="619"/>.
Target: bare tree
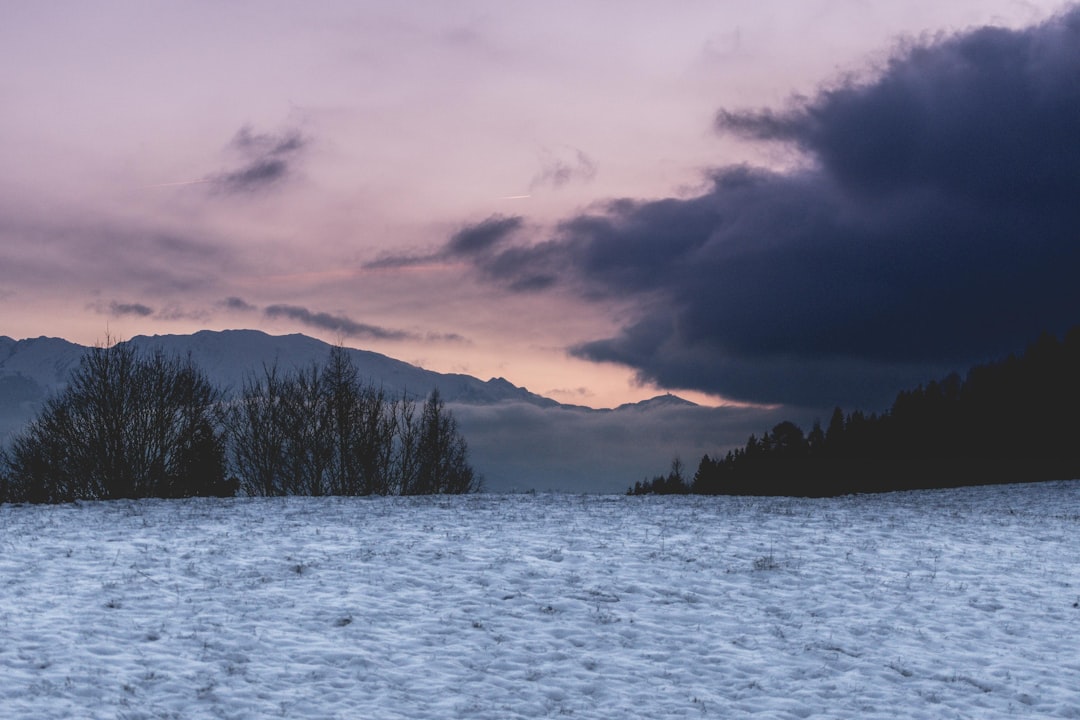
<point x="405" y="460"/>
<point x="310" y="447"/>
<point x="361" y="424"/>
<point x="323" y="431"/>
<point x="127" y="425"/>
<point x="259" y="434"/>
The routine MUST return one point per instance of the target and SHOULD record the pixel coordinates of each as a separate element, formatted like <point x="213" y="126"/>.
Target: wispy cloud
<point x="455" y="338"/>
<point x="403" y="262"/>
<point x="266" y="159"/>
<point x="559" y="168"/>
<point x="237" y="303"/>
<point x="335" y="323"/>
<point x="97" y="250"/>
<point x="118" y="309"/>
<point x="170" y="312"/>
<point x="175" y="312"/>
<point x="471" y="242"/>
<point x="482" y="237"/>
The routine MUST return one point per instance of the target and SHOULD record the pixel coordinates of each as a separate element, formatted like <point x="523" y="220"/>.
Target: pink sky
<point x="169" y="167"/>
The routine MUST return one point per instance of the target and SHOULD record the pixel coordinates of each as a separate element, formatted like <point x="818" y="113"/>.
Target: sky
<point x="775" y="203"/>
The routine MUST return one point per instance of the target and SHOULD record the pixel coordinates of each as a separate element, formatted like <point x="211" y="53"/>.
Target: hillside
<point x="931" y="604"/>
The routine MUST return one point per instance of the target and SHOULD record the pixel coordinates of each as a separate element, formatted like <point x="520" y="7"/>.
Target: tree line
<point x="132" y="425"/>
<point x="1017" y="420"/>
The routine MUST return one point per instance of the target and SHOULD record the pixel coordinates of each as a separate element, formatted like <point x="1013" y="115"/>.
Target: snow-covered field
<point x="958" y="603"/>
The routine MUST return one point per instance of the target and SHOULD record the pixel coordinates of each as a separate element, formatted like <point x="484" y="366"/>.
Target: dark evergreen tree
<point x="1011" y="421"/>
<point x="674" y="483"/>
<point x="442" y="454"/>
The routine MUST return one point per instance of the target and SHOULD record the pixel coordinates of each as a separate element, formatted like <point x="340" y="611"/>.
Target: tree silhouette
<point x="322" y="430"/>
<point x="674" y="483"/>
<point x="126" y="426"/>
<point x="1011" y="421"/>
<point x="441" y="453"/>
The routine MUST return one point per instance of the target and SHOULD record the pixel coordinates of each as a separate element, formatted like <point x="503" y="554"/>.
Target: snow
<point x="938" y="604"/>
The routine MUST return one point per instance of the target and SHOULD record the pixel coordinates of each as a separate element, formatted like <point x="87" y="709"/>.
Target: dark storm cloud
<point x="334" y="323"/>
<point x="934" y="224"/>
<point x="267" y="159"/>
<point x="991" y="115"/>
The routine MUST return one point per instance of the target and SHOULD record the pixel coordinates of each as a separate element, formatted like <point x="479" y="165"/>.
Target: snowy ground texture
<point x="943" y="604"/>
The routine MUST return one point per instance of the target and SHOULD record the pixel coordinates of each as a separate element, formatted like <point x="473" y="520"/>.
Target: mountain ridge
<point x="32" y="368"/>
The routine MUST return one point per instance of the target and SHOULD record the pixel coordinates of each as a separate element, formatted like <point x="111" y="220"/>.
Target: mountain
<point x="230" y="356"/>
<point x="518" y="439"/>
<point x="31" y="369"/>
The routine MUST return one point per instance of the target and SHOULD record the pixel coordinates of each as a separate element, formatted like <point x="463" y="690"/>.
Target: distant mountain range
<point x="519" y="440"/>
<point x="30" y="369"/>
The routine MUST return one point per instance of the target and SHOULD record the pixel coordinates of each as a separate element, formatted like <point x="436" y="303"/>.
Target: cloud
<point x="170" y="312"/>
<point x="117" y="309"/>
<point x="400" y="262"/>
<point x="933" y="224"/>
<point x="957" y="116"/>
<point x="267" y="159"/>
<point x="264" y="144"/>
<point x="566" y="166"/>
<point x="455" y="338"/>
<point x="236" y="303"/>
<point x="175" y="312"/>
<point x="341" y="324"/>
<point x="470" y="243"/>
<point x="334" y="323"/>
<point x="482" y="237"/>
<point x="87" y="250"/>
